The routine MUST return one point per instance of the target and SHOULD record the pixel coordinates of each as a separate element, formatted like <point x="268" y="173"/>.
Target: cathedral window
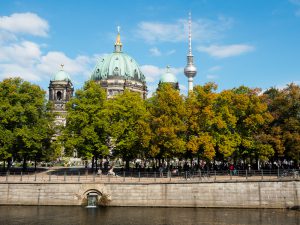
<point x="58" y="95"/>
<point x="136" y="76"/>
<point x="116" y="71"/>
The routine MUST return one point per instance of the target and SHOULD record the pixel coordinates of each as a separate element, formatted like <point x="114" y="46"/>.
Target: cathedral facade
<point x="115" y="72"/>
<point x="60" y="92"/>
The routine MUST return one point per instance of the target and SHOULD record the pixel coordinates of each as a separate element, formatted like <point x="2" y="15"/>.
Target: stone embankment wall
<point x="280" y="194"/>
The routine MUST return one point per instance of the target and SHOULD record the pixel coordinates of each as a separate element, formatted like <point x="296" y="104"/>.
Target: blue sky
<point x="235" y="42"/>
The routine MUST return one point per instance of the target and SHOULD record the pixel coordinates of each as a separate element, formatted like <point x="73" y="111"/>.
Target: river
<point x="66" y="215"/>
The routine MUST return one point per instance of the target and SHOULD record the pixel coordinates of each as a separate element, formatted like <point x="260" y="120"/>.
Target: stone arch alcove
<point x="91" y="198"/>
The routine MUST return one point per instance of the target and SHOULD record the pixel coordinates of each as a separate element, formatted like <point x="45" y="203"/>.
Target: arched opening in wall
<point x="94" y="198"/>
<point x="91" y="198"/>
<point x="116" y="71"/>
<point x="58" y="95"/>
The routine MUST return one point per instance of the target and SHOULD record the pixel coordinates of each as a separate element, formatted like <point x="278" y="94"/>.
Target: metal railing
<point x="150" y="177"/>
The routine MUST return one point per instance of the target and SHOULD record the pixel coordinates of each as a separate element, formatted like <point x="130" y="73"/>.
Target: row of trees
<point x="241" y="123"/>
<point x="230" y="125"/>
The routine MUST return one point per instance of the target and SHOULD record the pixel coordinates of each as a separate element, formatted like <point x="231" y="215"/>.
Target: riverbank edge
<point x="246" y="194"/>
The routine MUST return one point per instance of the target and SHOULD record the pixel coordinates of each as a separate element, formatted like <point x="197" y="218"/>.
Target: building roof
<point x="117" y="65"/>
<point x="61" y="75"/>
<point x="168" y="77"/>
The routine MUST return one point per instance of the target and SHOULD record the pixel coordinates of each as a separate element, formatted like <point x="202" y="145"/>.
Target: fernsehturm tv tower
<point x="190" y="70"/>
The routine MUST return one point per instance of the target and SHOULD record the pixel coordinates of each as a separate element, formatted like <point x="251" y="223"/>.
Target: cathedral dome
<point x="168" y="77"/>
<point x="61" y="75"/>
<point x="117" y="65"/>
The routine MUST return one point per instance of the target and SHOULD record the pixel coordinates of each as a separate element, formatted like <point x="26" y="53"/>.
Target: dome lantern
<point x="118" y="44"/>
<point x="61" y="75"/>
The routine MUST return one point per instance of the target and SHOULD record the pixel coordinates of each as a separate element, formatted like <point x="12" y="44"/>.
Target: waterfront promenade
<point x="71" y="175"/>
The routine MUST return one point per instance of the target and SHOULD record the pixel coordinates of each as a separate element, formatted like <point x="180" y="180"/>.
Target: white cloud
<point x="155" y="51"/>
<point x="203" y="30"/>
<point x="6" y="36"/>
<point x="43" y="67"/>
<point x="16" y="70"/>
<point x="176" y="70"/>
<point x="225" y="51"/>
<point x="51" y="62"/>
<point x="25" y="59"/>
<point x="23" y="53"/>
<point x="151" y="72"/>
<point x="24" y="23"/>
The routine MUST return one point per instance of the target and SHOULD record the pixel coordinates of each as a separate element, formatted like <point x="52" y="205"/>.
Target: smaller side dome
<point x="61" y="75"/>
<point x="168" y="77"/>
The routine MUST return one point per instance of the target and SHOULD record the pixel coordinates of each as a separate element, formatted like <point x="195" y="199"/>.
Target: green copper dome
<point x="61" y="75"/>
<point x="117" y="65"/>
<point x="168" y="77"/>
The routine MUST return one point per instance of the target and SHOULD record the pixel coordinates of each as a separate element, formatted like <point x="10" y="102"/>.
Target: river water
<point x="65" y="215"/>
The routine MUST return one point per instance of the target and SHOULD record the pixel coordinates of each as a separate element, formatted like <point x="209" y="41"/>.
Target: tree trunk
<point x="127" y="164"/>
<point x="35" y="164"/>
<point x="8" y="164"/>
<point x="4" y="165"/>
<point x="96" y="162"/>
<point x="24" y="167"/>
<point x="93" y="163"/>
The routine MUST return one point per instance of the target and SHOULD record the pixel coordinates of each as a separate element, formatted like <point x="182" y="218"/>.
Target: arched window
<point x="136" y="75"/>
<point x="58" y="95"/>
<point x="116" y="71"/>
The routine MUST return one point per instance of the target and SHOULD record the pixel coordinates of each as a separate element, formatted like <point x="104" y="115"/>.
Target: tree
<point x="284" y="131"/>
<point x="252" y="119"/>
<point x="25" y="127"/>
<point x="201" y="120"/>
<point x="129" y="126"/>
<point x="167" y="124"/>
<point x="86" y="127"/>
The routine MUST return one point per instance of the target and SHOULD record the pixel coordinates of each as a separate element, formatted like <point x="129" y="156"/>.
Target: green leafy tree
<point x="168" y="125"/>
<point x="129" y="126"/>
<point x="252" y="117"/>
<point x="25" y="125"/>
<point x="87" y="123"/>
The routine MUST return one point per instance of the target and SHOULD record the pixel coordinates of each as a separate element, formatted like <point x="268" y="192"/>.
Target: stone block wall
<point x="281" y="194"/>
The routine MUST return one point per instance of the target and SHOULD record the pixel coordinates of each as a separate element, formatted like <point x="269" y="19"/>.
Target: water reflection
<point x="31" y="215"/>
